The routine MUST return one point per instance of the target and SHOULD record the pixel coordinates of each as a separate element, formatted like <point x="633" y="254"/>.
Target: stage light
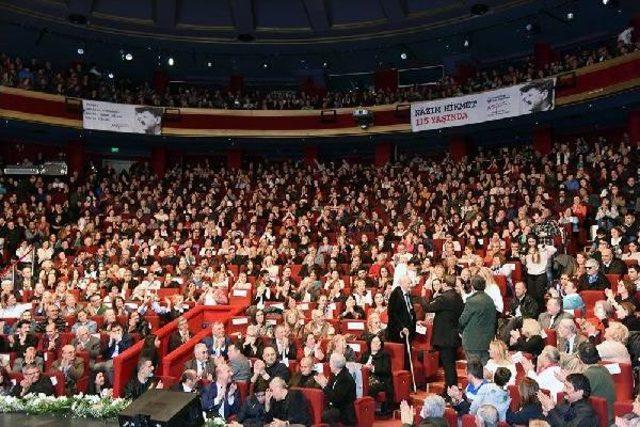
<point x="265" y="65"/>
<point x="325" y="64"/>
<point x="570" y="16"/>
<point x="110" y="75"/>
<point x="80" y="51"/>
<point x="466" y="43"/>
<point x="170" y="61"/>
<point x="209" y="64"/>
<point x="403" y="56"/>
<point x="128" y="57"/>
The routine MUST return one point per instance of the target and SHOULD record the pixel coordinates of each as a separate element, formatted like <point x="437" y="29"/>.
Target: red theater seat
<point x="365" y="411"/>
<point x="621" y="408"/>
<point x="600" y="406"/>
<point x="355" y="328"/>
<point x="316" y="401"/>
<point x="590" y="298"/>
<point x="552" y="337"/>
<point x="623" y="381"/>
<point x="451" y="416"/>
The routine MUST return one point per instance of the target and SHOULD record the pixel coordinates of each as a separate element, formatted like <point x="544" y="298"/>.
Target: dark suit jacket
<point x="293" y="408"/>
<point x="448" y="307"/>
<point x="175" y="341"/>
<point x="525" y="414"/>
<point x="178" y="387"/>
<point x="291" y="351"/>
<point x="617" y="266"/>
<point x="477" y="322"/>
<point x="599" y="284"/>
<point x="247" y="350"/>
<point x="278" y="369"/>
<point x="43" y="385"/>
<point x="533" y="345"/>
<point x="341" y="394"/>
<point x="124" y="344"/>
<point x="30" y="341"/>
<point x="208" y="341"/>
<point x="251" y="413"/>
<point x="72" y="375"/>
<point x="193" y="364"/>
<point x="209" y="394"/>
<point x="528" y="307"/>
<point x="399" y="316"/>
<point x="578" y="414"/>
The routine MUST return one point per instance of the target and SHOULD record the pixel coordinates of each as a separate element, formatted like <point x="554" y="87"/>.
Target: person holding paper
<point x="447" y="306"/>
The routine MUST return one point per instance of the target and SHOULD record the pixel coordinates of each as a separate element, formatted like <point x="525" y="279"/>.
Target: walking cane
<point x="413" y="377"/>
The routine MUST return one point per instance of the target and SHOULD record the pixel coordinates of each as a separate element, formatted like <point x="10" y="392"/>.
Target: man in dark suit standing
<point x="447" y="306"/>
<point x="340" y="393"/>
<point x="478" y="322"/>
<point x="402" y="316"/>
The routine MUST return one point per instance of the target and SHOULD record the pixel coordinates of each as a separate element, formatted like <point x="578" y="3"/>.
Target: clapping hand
<point x="454" y="393"/>
<point x="321" y="380"/>
<point x="232" y="389"/>
<point x="406" y="413"/>
<point x="546" y="402"/>
<point x="527" y="365"/>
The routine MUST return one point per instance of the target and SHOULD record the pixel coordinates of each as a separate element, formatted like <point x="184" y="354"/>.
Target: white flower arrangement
<point x="78" y="406"/>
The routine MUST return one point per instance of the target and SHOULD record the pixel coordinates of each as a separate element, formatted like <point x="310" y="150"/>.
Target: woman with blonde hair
<point x="528" y="339"/>
<point x="613" y="349"/>
<point x="338" y="344"/>
<point x="499" y="358"/>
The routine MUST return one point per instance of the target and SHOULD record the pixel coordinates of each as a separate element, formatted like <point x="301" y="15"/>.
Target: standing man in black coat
<point x="402" y="316"/>
<point x="447" y="306"/>
<point x="340" y="393"/>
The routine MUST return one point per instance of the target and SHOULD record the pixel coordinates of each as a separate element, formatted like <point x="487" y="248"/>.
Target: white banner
<point x="121" y="117"/>
<point x="486" y="106"/>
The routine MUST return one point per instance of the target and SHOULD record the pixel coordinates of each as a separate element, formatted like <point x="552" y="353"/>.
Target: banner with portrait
<point x="512" y="101"/>
<point x="126" y="118"/>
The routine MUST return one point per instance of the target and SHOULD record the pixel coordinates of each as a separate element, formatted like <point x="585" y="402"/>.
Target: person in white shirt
<point x="536" y="261"/>
<point x="546" y="372"/>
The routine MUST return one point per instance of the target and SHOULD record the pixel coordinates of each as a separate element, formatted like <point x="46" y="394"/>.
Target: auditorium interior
<point x="366" y="213"/>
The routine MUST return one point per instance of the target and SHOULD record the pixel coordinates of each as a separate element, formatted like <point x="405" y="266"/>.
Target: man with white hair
<point x="402" y="316"/>
<point x="202" y="363"/>
<point x="569" y="339"/>
<point x="432" y="412"/>
<point x="72" y="368"/>
<point x="487" y="416"/>
<point x="340" y="393"/>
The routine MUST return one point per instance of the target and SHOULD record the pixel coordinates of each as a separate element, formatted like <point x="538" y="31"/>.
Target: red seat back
<point x="552" y="337"/>
<point x="590" y="297"/>
<point x="365" y="411"/>
<point x="353" y="327"/>
<point x="316" y="402"/>
<point x="600" y="406"/>
<point x="396" y="351"/>
<point x="623" y="381"/>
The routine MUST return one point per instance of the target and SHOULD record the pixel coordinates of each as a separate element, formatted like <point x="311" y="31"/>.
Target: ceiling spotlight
<point x="110" y="75"/>
<point x="466" y="43"/>
<point x="170" y="61"/>
<point x="80" y="51"/>
<point x="209" y="64"/>
<point x="403" y="55"/>
<point x="128" y="57"/>
<point x="265" y="65"/>
<point x="569" y="16"/>
<point x="325" y="64"/>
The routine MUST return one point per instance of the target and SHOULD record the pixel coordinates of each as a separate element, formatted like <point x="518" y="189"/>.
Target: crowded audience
<point x="319" y="249"/>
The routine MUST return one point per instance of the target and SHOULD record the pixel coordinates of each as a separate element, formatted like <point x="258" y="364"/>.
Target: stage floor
<point x="20" y="420"/>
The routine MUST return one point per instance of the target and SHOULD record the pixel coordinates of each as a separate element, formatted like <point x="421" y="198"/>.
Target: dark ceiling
<point x="294" y="37"/>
